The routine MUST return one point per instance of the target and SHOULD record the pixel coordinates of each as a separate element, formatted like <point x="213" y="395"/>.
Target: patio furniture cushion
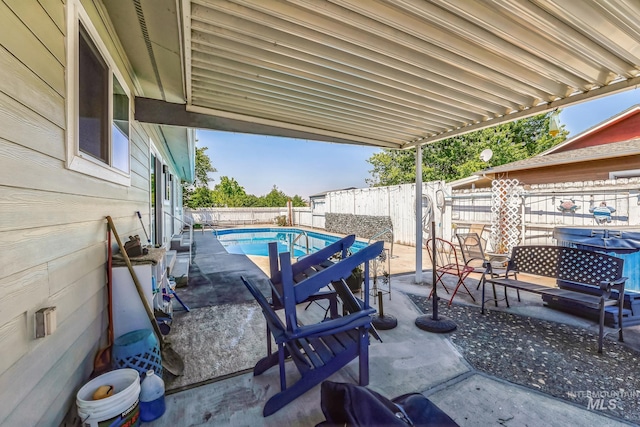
<point x="352" y="405"/>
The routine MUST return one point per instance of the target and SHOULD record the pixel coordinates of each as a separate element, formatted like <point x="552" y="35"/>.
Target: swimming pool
<point x="254" y="241"/>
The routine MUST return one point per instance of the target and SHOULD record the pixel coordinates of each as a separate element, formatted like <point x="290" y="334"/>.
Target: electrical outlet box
<point x="45" y="322"/>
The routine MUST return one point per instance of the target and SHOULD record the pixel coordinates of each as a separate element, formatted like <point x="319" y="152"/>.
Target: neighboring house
<point x="70" y="154"/>
<point x="608" y="150"/>
<point x="598" y="162"/>
<point x="621" y="127"/>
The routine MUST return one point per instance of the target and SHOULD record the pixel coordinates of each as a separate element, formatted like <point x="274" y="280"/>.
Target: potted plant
<point x="355" y="280"/>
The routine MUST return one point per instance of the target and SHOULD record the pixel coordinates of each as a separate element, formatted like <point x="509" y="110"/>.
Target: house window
<point x="120" y="128"/>
<point x="98" y="104"/>
<point x="93" y="86"/>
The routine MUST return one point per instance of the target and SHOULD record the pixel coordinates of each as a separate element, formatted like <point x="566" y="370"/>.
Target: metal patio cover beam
<point x="148" y="110"/>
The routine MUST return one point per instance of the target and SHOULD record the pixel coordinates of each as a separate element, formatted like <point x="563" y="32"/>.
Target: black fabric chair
<point x="351" y="405"/>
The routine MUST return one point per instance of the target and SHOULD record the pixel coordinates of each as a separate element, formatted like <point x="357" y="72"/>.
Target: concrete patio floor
<point x="408" y="360"/>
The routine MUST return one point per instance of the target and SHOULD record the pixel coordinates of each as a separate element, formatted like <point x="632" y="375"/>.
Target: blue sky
<point x="307" y="167"/>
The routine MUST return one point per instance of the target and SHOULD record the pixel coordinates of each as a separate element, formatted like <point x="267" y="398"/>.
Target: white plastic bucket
<point x="118" y="410"/>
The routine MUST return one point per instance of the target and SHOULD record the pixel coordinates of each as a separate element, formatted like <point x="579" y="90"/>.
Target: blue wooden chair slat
<point x="306" y="266"/>
<point x="317" y="350"/>
<point x="336" y="272"/>
<point x="320" y="257"/>
<point x="324" y="349"/>
<point x="301" y="359"/>
<point x="351" y="303"/>
<point x="334" y="344"/>
<point x="311" y="352"/>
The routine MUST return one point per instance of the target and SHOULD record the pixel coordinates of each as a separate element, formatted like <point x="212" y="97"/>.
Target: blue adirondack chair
<point x="317" y="350"/>
<point x="306" y="267"/>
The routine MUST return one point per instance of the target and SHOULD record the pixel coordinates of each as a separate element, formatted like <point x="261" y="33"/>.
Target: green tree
<point x="275" y="198"/>
<point x="229" y="193"/>
<point x="201" y="197"/>
<point x="251" y="200"/>
<point x="298" y="202"/>
<point x="194" y="194"/>
<point x="459" y="157"/>
<point x="391" y="167"/>
<point x="203" y="167"/>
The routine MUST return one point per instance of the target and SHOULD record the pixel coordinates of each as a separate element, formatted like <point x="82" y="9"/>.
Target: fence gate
<point x="506" y="204"/>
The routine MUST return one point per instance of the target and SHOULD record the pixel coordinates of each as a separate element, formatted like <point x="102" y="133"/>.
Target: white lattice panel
<point x="506" y="202"/>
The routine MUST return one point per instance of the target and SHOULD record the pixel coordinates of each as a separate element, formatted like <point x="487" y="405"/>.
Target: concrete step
<point x="180" y="243"/>
<point x="180" y="270"/>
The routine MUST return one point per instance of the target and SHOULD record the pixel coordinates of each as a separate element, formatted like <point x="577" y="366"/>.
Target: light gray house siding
<point x="52" y="219"/>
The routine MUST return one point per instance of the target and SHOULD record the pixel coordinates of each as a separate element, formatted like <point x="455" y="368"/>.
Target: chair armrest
<point x="475" y="259"/>
<point x="488" y="268"/>
<point x="617" y="284"/>
<point x="498" y="258"/>
<point x="332" y="326"/>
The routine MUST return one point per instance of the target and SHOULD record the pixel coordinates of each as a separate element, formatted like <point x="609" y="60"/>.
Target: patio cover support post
<point x="418" y="278"/>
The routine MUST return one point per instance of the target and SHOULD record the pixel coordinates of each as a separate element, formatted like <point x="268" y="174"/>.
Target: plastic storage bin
<point x="138" y="350"/>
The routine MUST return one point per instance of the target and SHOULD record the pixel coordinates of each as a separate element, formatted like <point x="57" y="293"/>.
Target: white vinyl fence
<point x="544" y="207"/>
<point x="396" y="202"/>
<point x="541" y="209"/>
<point x="221" y="217"/>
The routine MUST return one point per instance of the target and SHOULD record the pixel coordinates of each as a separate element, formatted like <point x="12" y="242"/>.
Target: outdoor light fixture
<point x="554" y="123"/>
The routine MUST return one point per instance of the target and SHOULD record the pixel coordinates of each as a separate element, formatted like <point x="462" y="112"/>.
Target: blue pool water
<point x="254" y="241"/>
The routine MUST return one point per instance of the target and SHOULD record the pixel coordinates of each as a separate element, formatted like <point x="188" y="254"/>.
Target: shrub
<point x="281" y="220"/>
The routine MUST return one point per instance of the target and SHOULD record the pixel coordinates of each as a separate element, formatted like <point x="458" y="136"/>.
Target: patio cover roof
<point x="378" y="72"/>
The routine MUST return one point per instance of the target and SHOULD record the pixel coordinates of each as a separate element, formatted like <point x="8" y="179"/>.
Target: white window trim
<point x="630" y="173"/>
<point x="76" y="160"/>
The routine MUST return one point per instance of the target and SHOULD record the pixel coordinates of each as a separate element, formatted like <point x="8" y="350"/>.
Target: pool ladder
<point x="302" y="233"/>
<point x="382" y="233"/>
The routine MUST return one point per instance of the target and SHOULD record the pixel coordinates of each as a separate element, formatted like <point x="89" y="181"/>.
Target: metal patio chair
<point x="447" y="263"/>
<point x="474" y="256"/>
